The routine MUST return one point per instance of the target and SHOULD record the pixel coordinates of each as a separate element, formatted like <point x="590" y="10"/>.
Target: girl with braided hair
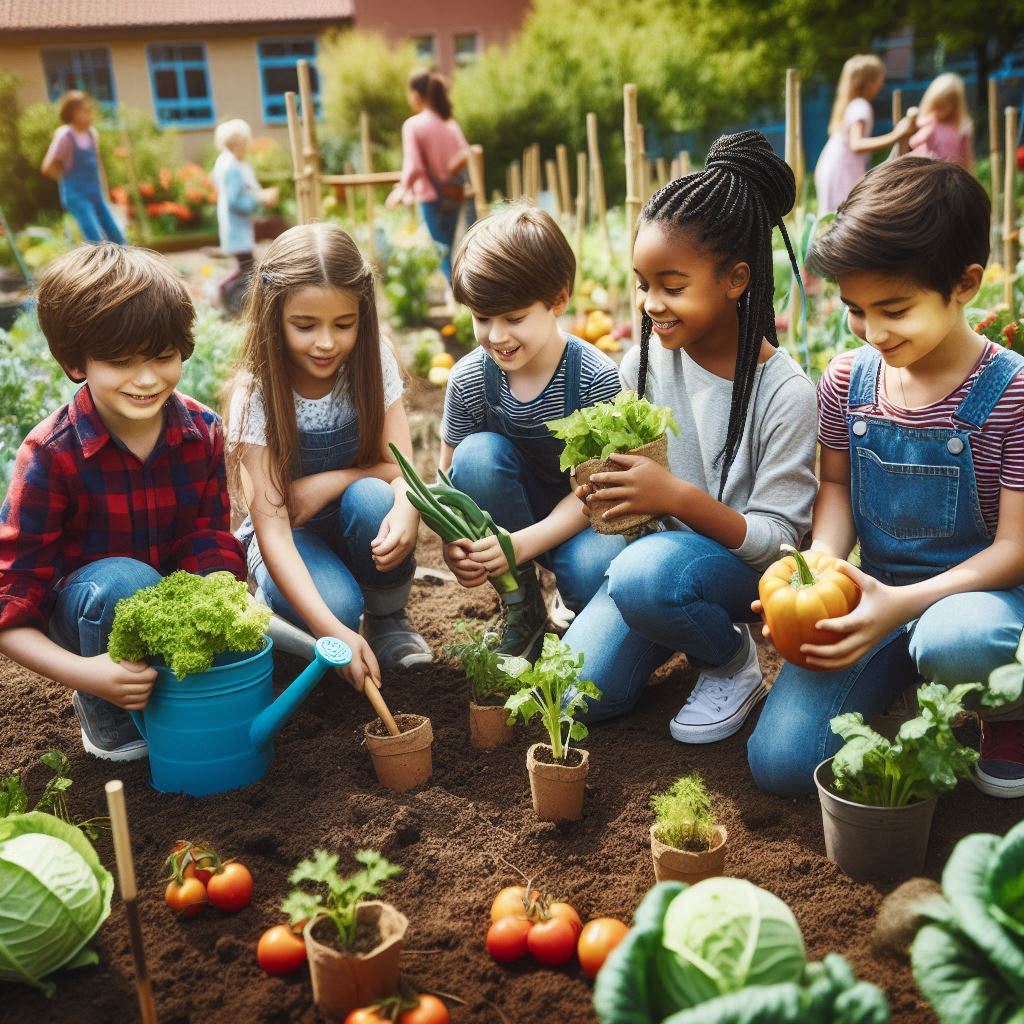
<point x="741" y="478"/>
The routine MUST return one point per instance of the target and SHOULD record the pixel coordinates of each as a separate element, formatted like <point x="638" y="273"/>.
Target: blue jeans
<point x="959" y="639"/>
<point x="94" y="218"/>
<point x="441" y="224"/>
<point x="666" y="592"/>
<point x="336" y="551"/>
<point x="489" y="468"/>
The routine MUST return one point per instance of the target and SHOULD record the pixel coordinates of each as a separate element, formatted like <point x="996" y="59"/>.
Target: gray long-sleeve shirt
<point x="771" y="482"/>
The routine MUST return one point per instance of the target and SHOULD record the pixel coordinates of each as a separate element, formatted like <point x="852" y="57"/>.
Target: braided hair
<point x="731" y="207"/>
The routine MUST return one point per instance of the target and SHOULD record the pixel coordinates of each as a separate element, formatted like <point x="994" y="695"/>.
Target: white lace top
<point x="248" y="419"/>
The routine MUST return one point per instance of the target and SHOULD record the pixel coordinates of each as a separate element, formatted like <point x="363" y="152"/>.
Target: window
<point x="87" y="69"/>
<point x="467" y="48"/>
<point x="181" y="84"/>
<point x="426" y="48"/>
<point x="278" y="74"/>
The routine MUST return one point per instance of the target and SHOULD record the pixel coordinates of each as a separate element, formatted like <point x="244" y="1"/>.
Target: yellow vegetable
<point x="438" y="375"/>
<point x="606" y="343"/>
<point x="443" y="359"/>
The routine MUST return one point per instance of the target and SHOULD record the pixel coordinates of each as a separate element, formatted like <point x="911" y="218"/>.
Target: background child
<point x="73" y="160"/>
<point x="239" y="196"/>
<point x="844" y="159"/>
<point x="922" y="461"/>
<point x="312" y="410"/>
<point x="741" y="478"/>
<point x="515" y="272"/>
<point x="119" y="487"/>
<point x="944" y="128"/>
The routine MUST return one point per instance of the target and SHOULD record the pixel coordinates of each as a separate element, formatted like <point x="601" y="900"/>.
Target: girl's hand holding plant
<point x="641" y="487"/>
<point x="127" y="684"/>
<point x="396" y="537"/>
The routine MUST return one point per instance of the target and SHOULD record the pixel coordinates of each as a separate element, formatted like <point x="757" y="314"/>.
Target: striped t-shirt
<point x="997" y="449"/>
<point x="465" y="404"/>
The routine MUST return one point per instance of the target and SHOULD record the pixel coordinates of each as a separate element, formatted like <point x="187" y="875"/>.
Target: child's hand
<point x="395" y="197"/>
<point x="881" y="610"/>
<point x="363" y="663"/>
<point x="467" y="570"/>
<point x="758" y="609"/>
<point x="641" y="487"/>
<point x="127" y="684"/>
<point x="396" y="538"/>
<point x="487" y="553"/>
<point x="584" y="491"/>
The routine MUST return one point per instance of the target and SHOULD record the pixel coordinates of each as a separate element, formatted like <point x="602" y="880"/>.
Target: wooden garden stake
<point x="536" y="170"/>
<point x="310" y="153"/>
<point x="631" y="138"/>
<point x="661" y="178"/>
<point x="597" y="179"/>
<point x="350" y="196"/>
<point x="581" y="210"/>
<point x="298" y="170"/>
<point x="793" y="158"/>
<point x="564" y="184"/>
<point x="364" y="141"/>
<point x="476" y="179"/>
<point x="129" y="893"/>
<point x="373" y="694"/>
<point x="684" y="162"/>
<point x="551" y="177"/>
<point x="1010" y="208"/>
<point x="516" y="180"/>
<point x="995" y="157"/>
<point x="903" y="146"/>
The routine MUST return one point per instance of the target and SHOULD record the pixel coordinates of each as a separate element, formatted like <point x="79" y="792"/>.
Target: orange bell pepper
<point x="797" y="592"/>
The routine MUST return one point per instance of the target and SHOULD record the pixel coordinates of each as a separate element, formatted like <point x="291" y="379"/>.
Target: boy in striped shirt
<point x="515" y="272"/>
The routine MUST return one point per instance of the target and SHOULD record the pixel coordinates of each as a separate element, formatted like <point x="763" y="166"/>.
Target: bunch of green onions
<point x="453" y="515"/>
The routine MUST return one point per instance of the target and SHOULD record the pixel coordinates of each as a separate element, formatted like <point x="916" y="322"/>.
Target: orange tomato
<point x="598" y="938"/>
<point x="509" y="901"/>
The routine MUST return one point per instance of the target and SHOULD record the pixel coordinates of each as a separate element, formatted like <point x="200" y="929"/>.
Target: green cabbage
<point x="54" y="895"/>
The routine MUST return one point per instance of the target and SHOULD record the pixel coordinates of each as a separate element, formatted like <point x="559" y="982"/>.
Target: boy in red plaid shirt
<point x="114" y="490"/>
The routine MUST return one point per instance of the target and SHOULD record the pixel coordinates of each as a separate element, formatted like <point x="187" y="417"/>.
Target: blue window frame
<point x="181" y="84"/>
<point x="87" y="68"/>
<point x="278" y="74"/>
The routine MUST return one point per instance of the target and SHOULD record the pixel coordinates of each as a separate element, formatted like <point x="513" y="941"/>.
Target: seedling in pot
<point x="492" y="676"/>
<point x="683" y="815"/>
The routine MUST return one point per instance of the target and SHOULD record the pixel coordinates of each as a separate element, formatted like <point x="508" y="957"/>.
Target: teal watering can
<point x="214" y="731"/>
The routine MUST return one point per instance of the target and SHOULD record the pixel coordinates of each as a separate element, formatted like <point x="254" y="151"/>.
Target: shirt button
<point x="955" y="446"/>
<point x="860" y="428"/>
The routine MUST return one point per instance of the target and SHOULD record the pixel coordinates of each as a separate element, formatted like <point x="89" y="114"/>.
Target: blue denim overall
<point x="335" y="543"/>
<point x="914" y="496"/>
<point x="82" y="196"/>
<point x="511" y="471"/>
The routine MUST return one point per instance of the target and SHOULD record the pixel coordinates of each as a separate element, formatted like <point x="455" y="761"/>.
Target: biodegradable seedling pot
<point x="873" y="843"/>
<point x="672" y="865"/>
<point x="343" y="981"/>
<point x="656" y="450"/>
<point x="488" y="726"/>
<point x="557" y="789"/>
<point x="404" y="761"/>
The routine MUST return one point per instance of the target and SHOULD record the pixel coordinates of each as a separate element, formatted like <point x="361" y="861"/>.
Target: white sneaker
<point x="718" y="705"/>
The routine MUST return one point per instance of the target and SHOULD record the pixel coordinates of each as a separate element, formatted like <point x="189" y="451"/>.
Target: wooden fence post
<point x="476" y="179"/>
<point x="564" y="184"/>
<point x="298" y="164"/>
<point x="632" y="140"/>
<point x="995" y="156"/>
<point x="581" y="209"/>
<point x="350" y="196"/>
<point x="310" y="153"/>
<point x="516" y="179"/>
<point x="364" y="141"/>
<point x="551" y="177"/>
<point x="597" y="178"/>
<point x="1010" y="208"/>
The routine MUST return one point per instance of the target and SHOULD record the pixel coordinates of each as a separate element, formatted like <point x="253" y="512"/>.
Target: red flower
<point x="146" y="190"/>
<point x="1010" y="333"/>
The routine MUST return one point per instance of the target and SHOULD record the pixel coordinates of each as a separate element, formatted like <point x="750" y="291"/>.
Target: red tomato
<point x="598" y="938"/>
<point x="231" y="888"/>
<point x="187" y="898"/>
<point x="507" y="938"/>
<point x="280" y="950"/>
<point x="203" y="874"/>
<point x="509" y="902"/>
<point x="564" y="910"/>
<point x="552" y="942"/>
<point x="430" y="1011"/>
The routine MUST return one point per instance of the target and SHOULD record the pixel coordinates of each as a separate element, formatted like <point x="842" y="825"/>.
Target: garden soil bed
<point x="455" y="839"/>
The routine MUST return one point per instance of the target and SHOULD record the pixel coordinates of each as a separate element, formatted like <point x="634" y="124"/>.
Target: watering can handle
<point x="140" y="723"/>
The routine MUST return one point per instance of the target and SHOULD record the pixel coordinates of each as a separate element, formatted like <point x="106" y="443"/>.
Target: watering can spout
<point x="329" y="652"/>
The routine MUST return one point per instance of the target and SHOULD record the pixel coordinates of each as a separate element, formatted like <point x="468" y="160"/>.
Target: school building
<point x="193" y="63"/>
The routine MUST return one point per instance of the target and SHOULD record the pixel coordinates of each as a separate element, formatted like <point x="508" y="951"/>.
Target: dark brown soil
<point x="405" y="723"/>
<point x="573" y="757"/>
<point x="366" y="940"/>
<point x="457" y="839"/>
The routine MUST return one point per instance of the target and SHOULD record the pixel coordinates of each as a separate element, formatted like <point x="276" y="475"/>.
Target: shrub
<point x="206" y="371"/>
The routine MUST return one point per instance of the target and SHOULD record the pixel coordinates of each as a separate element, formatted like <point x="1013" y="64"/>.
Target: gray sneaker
<point x="108" y="732"/>
<point x="395" y="643"/>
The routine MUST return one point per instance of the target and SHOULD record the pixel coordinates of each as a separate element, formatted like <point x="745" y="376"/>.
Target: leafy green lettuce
<point x="624" y="423"/>
<point x="186" y="621"/>
<point x="54" y="895"/>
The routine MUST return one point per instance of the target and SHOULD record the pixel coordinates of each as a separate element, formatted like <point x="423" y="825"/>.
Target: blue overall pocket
<point x="905" y="500"/>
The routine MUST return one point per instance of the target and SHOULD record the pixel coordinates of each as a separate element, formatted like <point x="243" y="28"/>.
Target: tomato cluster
<point x="198" y="876"/>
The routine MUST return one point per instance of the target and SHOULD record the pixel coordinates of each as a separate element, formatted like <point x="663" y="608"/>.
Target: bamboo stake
<point x="564" y="184"/>
<point x="661" y="178"/>
<point x="995" y="157"/>
<point x="536" y="168"/>
<point x="551" y="177"/>
<point x="129" y="893"/>
<point x="508" y="182"/>
<point x="793" y="159"/>
<point x="1012" y="115"/>
<point x="517" y="181"/>
<point x="903" y="146"/>
<point x="476" y="178"/>
<point x="684" y="162"/>
<point x="801" y="157"/>
<point x="632" y="139"/>
<point x="364" y="140"/>
<point x="581" y="209"/>
<point x="373" y="695"/>
<point x="792" y="77"/>
<point x="310" y="153"/>
<point x="298" y="167"/>
<point x="597" y="179"/>
<point x="673" y="169"/>
<point x="350" y="197"/>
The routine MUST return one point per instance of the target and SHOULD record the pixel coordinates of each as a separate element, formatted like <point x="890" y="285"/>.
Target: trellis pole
<point x="564" y="184"/>
<point x="581" y="209"/>
<point x="995" y="157"/>
<point x="1010" y="236"/>
<point x="298" y="165"/>
<point x="310" y="153"/>
<point x="597" y="194"/>
<point x="369" y="191"/>
<point x="551" y="177"/>
<point x="476" y="179"/>
<point x="632" y="141"/>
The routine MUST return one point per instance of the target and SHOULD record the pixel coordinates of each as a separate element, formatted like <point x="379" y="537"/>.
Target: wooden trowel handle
<point x="375" y="698"/>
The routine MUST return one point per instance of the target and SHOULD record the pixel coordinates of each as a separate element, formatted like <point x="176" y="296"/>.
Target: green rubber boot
<point x="525" y="615"/>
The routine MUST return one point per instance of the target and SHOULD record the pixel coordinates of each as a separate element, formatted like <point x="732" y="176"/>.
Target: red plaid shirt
<point x="77" y="496"/>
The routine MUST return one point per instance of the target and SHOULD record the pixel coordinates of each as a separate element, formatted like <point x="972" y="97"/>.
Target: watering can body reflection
<point x="214" y="731"/>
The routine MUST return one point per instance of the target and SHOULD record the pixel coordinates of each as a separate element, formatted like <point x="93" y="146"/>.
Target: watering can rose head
<point x="186" y="621"/>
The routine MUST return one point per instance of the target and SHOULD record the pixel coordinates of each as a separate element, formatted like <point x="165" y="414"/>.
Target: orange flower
<point x="165" y="178"/>
<point x="1010" y="333"/>
<point x="146" y="190"/>
<point x="449" y="330"/>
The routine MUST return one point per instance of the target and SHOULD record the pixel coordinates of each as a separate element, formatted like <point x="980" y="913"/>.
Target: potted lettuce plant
<point x="553" y="691"/>
<point x="626" y="424"/>
<point x="687" y="844"/>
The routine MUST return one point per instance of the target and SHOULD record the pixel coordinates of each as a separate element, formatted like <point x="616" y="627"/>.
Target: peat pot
<point x="404" y="761"/>
<point x="672" y="865"/>
<point x="488" y="726"/>
<point x="344" y="981"/>
<point x="557" y="789"/>
<point x="873" y="843"/>
<point x="214" y="731"/>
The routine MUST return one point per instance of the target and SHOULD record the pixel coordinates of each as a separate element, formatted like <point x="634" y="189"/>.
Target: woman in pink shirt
<point x="944" y="128"/>
<point x="434" y="155"/>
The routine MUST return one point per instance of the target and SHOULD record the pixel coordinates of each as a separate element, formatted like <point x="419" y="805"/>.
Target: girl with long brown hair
<point x="330" y="532"/>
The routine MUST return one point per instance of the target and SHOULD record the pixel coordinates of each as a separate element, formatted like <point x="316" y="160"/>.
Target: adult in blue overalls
<point x="73" y="161"/>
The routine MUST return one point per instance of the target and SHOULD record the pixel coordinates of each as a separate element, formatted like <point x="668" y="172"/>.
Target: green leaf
<point x="13" y="798"/>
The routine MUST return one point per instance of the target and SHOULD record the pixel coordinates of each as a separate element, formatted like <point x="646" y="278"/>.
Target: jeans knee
<point x="779" y="765"/>
<point x="107" y="581"/>
<point x="481" y="459"/>
<point x="367" y="500"/>
<point x="946" y="647"/>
